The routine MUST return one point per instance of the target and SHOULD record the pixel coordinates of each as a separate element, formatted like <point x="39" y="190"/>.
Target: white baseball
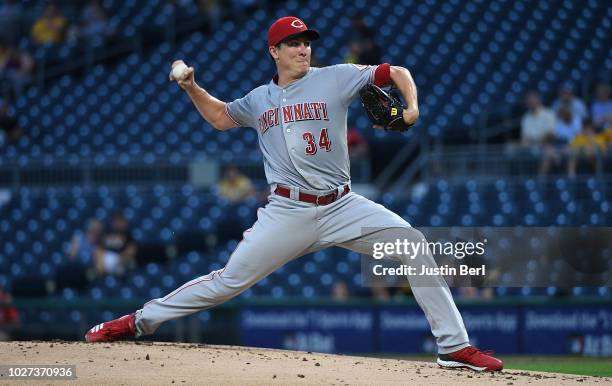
<point x="178" y="71"/>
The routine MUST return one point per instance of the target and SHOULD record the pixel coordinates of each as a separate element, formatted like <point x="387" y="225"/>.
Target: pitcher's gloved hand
<point x="384" y="109"/>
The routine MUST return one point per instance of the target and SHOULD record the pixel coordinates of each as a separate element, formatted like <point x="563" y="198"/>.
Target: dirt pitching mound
<point x="146" y="363"/>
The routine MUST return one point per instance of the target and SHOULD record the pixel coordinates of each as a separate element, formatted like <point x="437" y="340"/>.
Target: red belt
<point x="325" y="199"/>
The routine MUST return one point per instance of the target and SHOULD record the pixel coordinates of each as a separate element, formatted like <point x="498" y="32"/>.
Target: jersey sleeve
<point x="241" y="111"/>
<point x="352" y="77"/>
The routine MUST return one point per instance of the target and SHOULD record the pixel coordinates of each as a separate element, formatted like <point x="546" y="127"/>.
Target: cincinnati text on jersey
<point x="308" y="111"/>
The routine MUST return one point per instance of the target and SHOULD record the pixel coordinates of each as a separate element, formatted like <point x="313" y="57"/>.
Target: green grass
<point x="601" y="367"/>
<point x="566" y="364"/>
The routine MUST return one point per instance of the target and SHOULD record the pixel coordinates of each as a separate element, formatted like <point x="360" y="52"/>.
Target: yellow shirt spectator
<point x="607" y="135"/>
<point x="49" y="28"/>
<point x="588" y="141"/>
<point x="235" y="186"/>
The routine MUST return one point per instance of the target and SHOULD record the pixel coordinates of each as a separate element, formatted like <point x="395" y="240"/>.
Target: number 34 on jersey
<point x="313" y="143"/>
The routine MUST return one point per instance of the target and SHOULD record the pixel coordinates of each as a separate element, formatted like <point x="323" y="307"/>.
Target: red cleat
<point x="118" y="329"/>
<point x="471" y="358"/>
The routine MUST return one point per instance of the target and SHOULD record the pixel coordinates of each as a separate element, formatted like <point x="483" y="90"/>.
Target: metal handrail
<point x="91" y="57"/>
<point x="88" y="171"/>
<point x="402" y="155"/>
<point x="480" y="159"/>
<point x="410" y="173"/>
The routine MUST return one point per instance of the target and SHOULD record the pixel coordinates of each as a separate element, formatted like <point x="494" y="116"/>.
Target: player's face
<point x="294" y="56"/>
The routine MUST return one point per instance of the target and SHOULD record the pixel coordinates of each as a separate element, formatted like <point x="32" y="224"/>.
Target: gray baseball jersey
<point x="302" y="127"/>
<point x="302" y="134"/>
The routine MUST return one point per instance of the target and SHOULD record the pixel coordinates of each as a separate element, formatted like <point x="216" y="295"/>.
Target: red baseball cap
<point x="289" y="26"/>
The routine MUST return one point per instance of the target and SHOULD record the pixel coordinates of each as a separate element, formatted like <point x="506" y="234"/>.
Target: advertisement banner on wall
<point x="320" y="329"/>
<point x="578" y="330"/>
<point x="507" y="329"/>
<point x="405" y="330"/>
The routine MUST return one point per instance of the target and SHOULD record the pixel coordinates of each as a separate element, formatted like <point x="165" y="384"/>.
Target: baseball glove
<point x="384" y="109"/>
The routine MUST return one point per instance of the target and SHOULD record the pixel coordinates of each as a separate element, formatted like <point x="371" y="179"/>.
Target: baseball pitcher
<point x="300" y="117"/>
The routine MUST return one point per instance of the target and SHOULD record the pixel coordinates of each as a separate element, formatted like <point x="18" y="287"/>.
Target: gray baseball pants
<point x="287" y="229"/>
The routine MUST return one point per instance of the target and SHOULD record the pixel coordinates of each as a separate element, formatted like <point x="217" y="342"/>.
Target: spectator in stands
<point x="361" y="28"/>
<point x="84" y="245"/>
<point x="50" y="27"/>
<point x="357" y="145"/>
<point x="381" y="293"/>
<point x="354" y="50"/>
<point x="9" y="127"/>
<point x="10" y="21"/>
<point x="212" y="12"/>
<point x="384" y="288"/>
<point x="340" y="291"/>
<point x="537" y="124"/>
<point x="243" y="10"/>
<point x="362" y="47"/>
<point x="9" y="316"/>
<point x="93" y="21"/>
<point x="5" y="57"/>
<point x="378" y="290"/>
<point x="85" y="249"/>
<point x="567" y="127"/>
<point x="235" y="186"/>
<point x="118" y="251"/>
<point x="587" y="145"/>
<point x="370" y="53"/>
<point x="601" y="107"/>
<point x="567" y="100"/>
<point x="15" y="68"/>
<point x="359" y="154"/>
<point x="475" y="293"/>
<point x="607" y="135"/>
<point x="363" y="52"/>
